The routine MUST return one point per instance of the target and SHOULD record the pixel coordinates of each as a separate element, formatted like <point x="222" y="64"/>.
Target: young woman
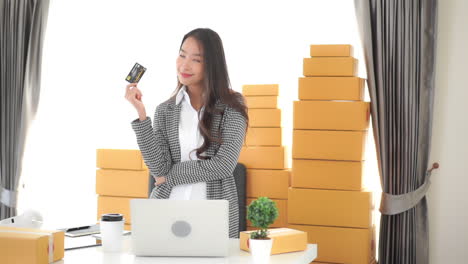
<point x="194" y="143"/>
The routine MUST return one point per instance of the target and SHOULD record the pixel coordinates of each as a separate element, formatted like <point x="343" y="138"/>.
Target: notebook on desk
<point x="180" y="227"/>
<point x="82" y="230"/>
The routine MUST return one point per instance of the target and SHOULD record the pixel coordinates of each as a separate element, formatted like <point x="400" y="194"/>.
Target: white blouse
<point x="189" y="140"/>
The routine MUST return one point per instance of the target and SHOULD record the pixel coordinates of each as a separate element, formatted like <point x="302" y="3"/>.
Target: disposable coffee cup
<point x="111" y="228"/>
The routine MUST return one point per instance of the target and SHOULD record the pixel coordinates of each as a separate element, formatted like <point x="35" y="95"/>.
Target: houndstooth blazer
<point x="160" y="148"/>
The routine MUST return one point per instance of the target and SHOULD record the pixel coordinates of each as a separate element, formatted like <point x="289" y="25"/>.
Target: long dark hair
<point x="217" y="85"/>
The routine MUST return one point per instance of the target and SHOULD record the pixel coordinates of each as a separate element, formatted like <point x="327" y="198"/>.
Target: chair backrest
<point x="240" y="178"/>
<point x="151" y="184"/>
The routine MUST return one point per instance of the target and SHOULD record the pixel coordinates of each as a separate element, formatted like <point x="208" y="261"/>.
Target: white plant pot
<point x="260" y="249"/>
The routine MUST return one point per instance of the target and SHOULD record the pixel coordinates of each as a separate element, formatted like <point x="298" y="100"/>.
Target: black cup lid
<point x="112" y="217"/>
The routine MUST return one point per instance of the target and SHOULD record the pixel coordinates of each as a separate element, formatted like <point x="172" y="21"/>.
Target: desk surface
<point x="95" y="255"/>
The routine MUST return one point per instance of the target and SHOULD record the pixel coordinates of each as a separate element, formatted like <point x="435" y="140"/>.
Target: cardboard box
<point x="314" y="262"/>
<point x="263" y="157"/>
<point x="329" y="145"/>
<point x="331" y="50"/>
<point x="125" y="159"/>
<point x="330" y="208"/>
<point x="261" y="101"/>
<point x="341" y="245"/>
<point x="260" y="89"/>
<point x="269" y="183"/>
<point x="327" y="174"/>
<point x="128" y="227"/>
<point x="330" y="66"/>
<point x="127" y="183"/>
<point x="331" y="88"/>
<point x="264" y="117"/>
<point x="282" y="205"/>
<point x="263" y="136"/>
<point x="27" y="245"/>
<point x="113" y="204"/>
<point x="284" y="240"/>
<point x="331" y="115"/>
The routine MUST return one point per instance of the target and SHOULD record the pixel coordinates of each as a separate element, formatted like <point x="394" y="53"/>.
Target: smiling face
<point x="190" y="64"/>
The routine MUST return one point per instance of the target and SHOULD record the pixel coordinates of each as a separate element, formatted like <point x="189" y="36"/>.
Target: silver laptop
<point x="180" y="227"/>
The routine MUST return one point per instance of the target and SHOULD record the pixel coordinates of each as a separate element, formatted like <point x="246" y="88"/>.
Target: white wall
<point x="448" y="199"/>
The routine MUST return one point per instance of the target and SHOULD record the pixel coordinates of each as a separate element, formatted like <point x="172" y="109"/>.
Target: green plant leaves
<point x="262" y="212"/>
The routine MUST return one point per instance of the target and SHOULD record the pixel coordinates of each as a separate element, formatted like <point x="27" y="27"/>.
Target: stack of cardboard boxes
<point x="121" y="176"/>
<point x="326" y="198"/>
<point x="263" y="153"/>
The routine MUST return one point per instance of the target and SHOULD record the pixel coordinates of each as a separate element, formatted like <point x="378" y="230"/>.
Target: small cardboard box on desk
<point x="32" y="246"/>
<point x="284" y="240"/>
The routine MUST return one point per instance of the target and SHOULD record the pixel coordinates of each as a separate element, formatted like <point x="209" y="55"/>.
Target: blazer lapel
<point x="173" y="117"/>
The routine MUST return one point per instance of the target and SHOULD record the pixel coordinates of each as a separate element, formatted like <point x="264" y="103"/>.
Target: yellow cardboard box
<point x="260" y="89"/>
<point x="125" y="159"/>
<point x="331" y="115"/>
<point x="263" y="136"/>
<point x="128" y="183"/>
<point x="264" y="117"/>
<point x="282" y="205"/>
<point x="263" y="157"/>
<point x="331" y="88"/>
<point x="314" y="262"/>
<point x="114" y="205"/>
<point x="27" y="245"/>
<point x="330" y="208"/>
<point x="343" y="50"/>
<point x="269" y="183"/>
<point x="341" y="245"/>
<point x="329" y="145"/>
<point x="327" y="174"/>
<point x="261" y="101"/>
<point x="330" y="66"/>
<point x="284" y="240"/>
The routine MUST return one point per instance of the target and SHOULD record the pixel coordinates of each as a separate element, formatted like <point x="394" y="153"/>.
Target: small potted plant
<point x="262" y="212"/>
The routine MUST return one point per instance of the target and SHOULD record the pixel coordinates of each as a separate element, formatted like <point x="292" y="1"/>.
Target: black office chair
<point x="240" y="173"/>
<point x="151" y="184"/>
<point x="240" y="176"/>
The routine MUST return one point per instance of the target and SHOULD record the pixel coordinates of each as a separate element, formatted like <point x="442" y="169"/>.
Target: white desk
<point x="236" y="256"/>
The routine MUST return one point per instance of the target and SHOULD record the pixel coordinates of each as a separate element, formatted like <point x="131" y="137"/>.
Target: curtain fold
<point x="398" y="38"/>
<point x="22" y="25"/>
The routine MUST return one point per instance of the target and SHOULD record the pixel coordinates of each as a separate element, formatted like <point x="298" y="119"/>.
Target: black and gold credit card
<point x="136" y="73"/>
